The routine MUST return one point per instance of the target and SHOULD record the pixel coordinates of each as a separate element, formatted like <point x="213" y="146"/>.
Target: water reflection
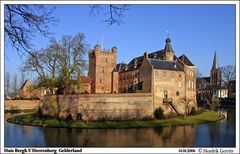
<point x="202" y="135"/>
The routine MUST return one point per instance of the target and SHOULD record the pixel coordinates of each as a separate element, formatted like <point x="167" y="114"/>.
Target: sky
<point x="195" y="30"/>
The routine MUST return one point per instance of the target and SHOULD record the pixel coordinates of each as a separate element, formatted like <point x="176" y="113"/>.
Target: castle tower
<point x="101" y="66"/>
<point x="168" y="51"/>
<point x="215" y="74"/>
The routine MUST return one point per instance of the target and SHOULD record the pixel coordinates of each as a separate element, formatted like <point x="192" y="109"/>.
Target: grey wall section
<point x="21" y="104"/>
<point x="105" y="106"/>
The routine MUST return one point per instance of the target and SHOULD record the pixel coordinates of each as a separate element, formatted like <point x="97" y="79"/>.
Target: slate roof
<point x="119" y="67"/>
<point x="203" y="80"/>
<point x="168" y="47"/>
<point x="165" y="65"/>
<point x="136" y="63"/>
<point x="185" y="60"/>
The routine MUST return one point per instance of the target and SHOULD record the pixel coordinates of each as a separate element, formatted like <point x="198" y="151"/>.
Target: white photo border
<point x="124" y="150"/>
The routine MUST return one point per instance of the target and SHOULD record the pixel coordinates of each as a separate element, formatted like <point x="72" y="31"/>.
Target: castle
<point x="168" y="77"/>
<point x="130" y="91"/>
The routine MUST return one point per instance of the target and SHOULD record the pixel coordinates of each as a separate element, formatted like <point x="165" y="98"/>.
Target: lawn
<point x="34" y="120"/>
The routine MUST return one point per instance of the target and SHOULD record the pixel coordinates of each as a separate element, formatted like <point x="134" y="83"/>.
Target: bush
<point x="193" y="111"/>
<point x="69" y="117"/>
<point x="158" y="113"/>
<point x="79" y="116"/>
<point x="196" y="112"/>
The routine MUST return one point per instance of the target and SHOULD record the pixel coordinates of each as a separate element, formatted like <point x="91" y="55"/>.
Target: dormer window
<point x="126" y="68"/>
<point x="174" y="65"/>
<point x="155" y="55"/>
<point x="135" y="63"/>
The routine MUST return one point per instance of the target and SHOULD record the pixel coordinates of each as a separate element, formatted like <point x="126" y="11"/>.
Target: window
<point x="189" y="84"/>
<point x="177" y="93"/>
<point x="106" y="60"/>
<point x="192" y="84"/>
<point x="100" y="79"/>
<point x="179" y="84"/>
<point x="103" y="69"/>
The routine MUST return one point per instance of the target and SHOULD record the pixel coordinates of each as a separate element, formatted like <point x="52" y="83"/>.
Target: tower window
<point x="179" y="84"/>
<point x="177" y="93"/>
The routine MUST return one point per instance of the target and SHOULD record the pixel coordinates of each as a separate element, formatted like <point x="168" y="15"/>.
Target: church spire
<point x="215" y="62"/>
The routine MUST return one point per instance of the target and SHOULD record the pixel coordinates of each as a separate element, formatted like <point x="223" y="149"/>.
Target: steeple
<point x="168" y="47"/>
<point x="216" y="75"/>
<point x="215" y="62"/>
<point x="168" y="51"/>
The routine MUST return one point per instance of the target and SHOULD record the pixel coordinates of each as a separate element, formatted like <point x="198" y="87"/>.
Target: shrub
<point x="69" y="117"/>
<point x="158" y="113"/>
<point x="193" y="111"/>
<point x="146" y="118"/>
<point x="79" y="116"/>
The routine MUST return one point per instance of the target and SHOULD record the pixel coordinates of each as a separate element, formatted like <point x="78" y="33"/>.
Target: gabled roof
<point x="165" y="65"/>
<point x="185" y="60"/>
<point x="24" y="84"/>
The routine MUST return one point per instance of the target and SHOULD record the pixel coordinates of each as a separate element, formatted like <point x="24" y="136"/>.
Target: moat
<point x="216" y="134"/>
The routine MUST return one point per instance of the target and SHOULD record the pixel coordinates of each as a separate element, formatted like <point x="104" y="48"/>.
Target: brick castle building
<point x="161" y="72"/>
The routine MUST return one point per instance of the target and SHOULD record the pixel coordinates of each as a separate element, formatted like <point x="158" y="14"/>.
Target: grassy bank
<point x="21" y="111"/>
<point x="32" y="119"/>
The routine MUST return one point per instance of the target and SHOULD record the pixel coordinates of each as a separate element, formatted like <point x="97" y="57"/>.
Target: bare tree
<point x="228" y="74"/>
<point x="186" y="102"/>
<point x="22" y="77"/>
<point x="43" y="63"/>
<point x="199" y="74"/>
<point x="15" y="84"/>
<point x="115" y="13"/>
<point x="7" y="82"/>
<point x="22" y="21"/>
<point x="71" y="60"/>
<point x="59" y="63"/>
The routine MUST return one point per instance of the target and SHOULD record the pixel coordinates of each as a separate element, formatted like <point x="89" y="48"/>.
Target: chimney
<point x="146" y="55"/>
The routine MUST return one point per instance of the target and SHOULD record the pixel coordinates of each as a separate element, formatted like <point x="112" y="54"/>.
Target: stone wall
<point x="21" y="104"/>
<point x="103" y="106"/>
